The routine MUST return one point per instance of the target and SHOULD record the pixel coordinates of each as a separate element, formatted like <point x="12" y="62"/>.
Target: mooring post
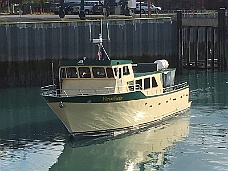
<point x="82" y="10"/>
<point x="61" y="9"/>
<point x="179" y="43"/>
<point x="221" y="40"/>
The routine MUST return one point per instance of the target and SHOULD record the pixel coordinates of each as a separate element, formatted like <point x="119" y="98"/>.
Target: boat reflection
<point x="139" y="151"/>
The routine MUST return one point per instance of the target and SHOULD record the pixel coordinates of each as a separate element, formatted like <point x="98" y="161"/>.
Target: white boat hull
<point x="97" y="117"/>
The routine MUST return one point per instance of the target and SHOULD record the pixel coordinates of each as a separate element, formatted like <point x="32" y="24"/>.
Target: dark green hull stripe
<point x="104" y="98"/>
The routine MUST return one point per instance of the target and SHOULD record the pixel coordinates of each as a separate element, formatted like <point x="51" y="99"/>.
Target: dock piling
<point x="221" y="40"/>
<point x="179" y="43"/>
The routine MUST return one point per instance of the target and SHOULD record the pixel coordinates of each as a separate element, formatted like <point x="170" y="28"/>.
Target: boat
<point x="99" y="96"/>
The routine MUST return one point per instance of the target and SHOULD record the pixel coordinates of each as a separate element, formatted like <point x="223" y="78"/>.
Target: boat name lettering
<point x="114" y="98"/>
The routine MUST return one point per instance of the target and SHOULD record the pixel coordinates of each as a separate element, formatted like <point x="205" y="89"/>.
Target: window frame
<point x="95" y="71"/>
<point x="81" y="72"/>
<point x="108" y="73"/>
<point x="147" y="84"/>
<point x="154" y="82"/>
<point x="76" y="72"/>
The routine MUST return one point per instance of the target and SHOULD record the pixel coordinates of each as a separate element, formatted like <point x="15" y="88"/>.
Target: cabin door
<point x="119" y="77"/>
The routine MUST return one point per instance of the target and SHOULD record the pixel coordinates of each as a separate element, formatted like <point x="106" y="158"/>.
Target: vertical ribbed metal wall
<point x="29" y="42"/>
<point x="27" y="50"/>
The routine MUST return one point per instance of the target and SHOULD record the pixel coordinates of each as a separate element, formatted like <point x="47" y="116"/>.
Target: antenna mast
<point x="99" y="42"/>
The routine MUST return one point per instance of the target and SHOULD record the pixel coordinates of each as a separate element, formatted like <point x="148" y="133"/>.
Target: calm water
<point x="32" y="137"/>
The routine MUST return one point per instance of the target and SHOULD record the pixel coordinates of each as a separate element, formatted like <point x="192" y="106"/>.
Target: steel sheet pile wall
<point x="28" y="49"/>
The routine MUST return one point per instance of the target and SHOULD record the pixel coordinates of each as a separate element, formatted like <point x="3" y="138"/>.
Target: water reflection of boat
<point x="151" y="148"/>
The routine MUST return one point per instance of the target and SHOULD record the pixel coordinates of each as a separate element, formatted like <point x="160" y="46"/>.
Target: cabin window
<point x="63" y="73"/>
<point x="98" y="72"/>
<point x="126" y="70"/>
<point x="109" y="72"/>
<point x="146" y="83"/>
<point x="116" y="71"/>
<point x="71" y="72"/>
<point x="84" y="72"/>
<point x="139" y="84"/>
<point x="154" y="82"/>
<point x="120" y="73"/>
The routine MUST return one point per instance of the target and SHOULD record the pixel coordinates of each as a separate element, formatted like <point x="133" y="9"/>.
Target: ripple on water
<point x="206" y="145"/>
<point x="25" y="153"/>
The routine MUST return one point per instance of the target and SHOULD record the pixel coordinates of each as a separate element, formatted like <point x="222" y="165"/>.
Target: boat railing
<point x="175" y="87"/>
<point x="51" y="90"/>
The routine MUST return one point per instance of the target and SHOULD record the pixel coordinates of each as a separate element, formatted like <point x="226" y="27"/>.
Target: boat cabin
<point x="86" y="77"/>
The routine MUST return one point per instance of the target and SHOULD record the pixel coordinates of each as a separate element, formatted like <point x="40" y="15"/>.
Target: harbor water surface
<point x="33" y="138"/>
